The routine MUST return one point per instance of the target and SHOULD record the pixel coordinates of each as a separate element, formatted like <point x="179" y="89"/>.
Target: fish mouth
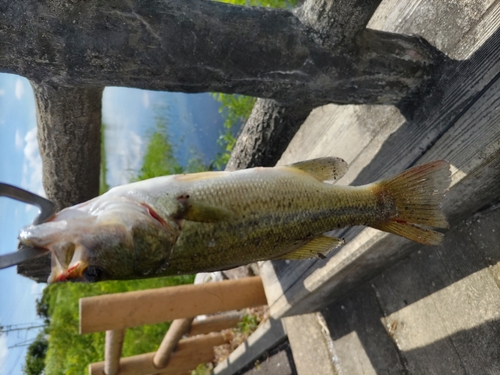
<point x="73" y="273"/>
<point x="67" y="262"/>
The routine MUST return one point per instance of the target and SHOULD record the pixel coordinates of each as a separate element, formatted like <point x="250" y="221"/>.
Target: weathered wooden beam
<point x="113" y="351"/>
<point x="198" y="46"/>
<point x="178" y="328"/>
<point x="215" y="323"/>
<point x="189" y="354"/>
<point x="267" y="133"/>
<point x="122" y="310"/>
<point x="458" y="121"/>
<point x="69" y="138"/>
<point x="335" y="25"/>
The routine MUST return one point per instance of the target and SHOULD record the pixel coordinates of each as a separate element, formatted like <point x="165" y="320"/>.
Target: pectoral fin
<point x="201" y="212"/>
<point x="323" y="169"/>
<point x="317" y="247"/>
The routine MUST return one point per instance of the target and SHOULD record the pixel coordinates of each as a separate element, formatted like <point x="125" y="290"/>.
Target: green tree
<point x="236" y="109"/>
<point x="35" y="357"/>
<point x="159" y="159"/>
<point x="42" y="310"/>
<point x="68" y="352"/>
<point x="103" y="184"/>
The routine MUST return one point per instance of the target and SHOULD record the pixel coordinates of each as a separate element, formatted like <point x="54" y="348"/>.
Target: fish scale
<point x="277" y="217"/>
<point x="217" y="220"/>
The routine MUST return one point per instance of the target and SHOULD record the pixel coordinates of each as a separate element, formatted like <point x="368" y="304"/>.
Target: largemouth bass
<point x="217" y="220"/>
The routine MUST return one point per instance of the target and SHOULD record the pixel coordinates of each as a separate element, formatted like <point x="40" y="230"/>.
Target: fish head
<point x="115" y="238"/>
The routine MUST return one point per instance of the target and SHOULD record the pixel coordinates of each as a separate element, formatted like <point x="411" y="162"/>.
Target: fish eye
<point x="92" y="274"/>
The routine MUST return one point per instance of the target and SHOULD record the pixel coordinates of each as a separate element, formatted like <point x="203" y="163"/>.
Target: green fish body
<point x="217" y="220"/>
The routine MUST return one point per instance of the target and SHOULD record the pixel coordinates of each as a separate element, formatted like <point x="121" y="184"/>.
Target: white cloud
<point x="19" y="90"/>
<point x="2" y="92"/>
<point x="145" y="99"/>
<point x="4" y="351"/>
<point x="32" y="167"/>
<point x="19" y="140"/>
<point x="37" y="289"/>
<point x="124" y="157"/>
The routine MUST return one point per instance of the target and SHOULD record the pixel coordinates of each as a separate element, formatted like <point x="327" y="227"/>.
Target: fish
<point x="207" y="221"/>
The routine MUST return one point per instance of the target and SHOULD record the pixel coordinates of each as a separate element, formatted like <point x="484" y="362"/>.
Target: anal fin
<point x="317" y="247"/>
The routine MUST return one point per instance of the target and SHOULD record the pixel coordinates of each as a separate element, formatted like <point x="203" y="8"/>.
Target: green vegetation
<point x="103" y="185"/>
<point x="68" y="351"/>
<point x="34" y="362"/>
<point x="159" y="159"/>
<point x="248" y="324"/>
<point x="236" y="109"/>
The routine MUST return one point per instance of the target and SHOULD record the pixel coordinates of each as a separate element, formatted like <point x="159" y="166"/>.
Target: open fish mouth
<point x="78" y="236"/>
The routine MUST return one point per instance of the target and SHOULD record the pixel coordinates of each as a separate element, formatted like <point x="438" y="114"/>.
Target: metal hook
<point x="47" y="209"/>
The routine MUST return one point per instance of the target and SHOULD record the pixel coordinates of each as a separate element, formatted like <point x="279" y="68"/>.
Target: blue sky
<point x="129" y="115"/>
<point x="19" y="165"/>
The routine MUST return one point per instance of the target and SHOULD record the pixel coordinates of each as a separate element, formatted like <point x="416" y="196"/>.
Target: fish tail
<point x="413" y="199"/>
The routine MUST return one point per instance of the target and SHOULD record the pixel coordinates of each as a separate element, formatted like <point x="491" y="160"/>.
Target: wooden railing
<point x="114" y="313"/>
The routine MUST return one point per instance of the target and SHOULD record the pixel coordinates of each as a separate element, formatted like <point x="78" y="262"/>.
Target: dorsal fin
<point x="323" y="169"/>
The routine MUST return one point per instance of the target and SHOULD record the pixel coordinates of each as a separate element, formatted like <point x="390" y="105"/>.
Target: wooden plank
<point x="189" y="354"/>
<point x="177" y="329"/>
<point x="215" y="323"/>
<point x="122" y="310"/>
<point x="459" y="123"/>
<point x="113" y="351"/>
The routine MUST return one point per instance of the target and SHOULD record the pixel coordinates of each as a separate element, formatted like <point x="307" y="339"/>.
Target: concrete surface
<point x="268" y="336"/>
<point x="435" y="312"/>
<point x="311" y="344"/>
<point x="278" y="361"/>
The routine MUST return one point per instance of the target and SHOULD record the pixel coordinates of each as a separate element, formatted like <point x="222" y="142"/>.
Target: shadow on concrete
<point x="470" y="247"/>
<point x="426" y="124"/>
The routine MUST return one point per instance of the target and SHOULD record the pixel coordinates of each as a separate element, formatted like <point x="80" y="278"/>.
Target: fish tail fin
<point x="414" y="198"/>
